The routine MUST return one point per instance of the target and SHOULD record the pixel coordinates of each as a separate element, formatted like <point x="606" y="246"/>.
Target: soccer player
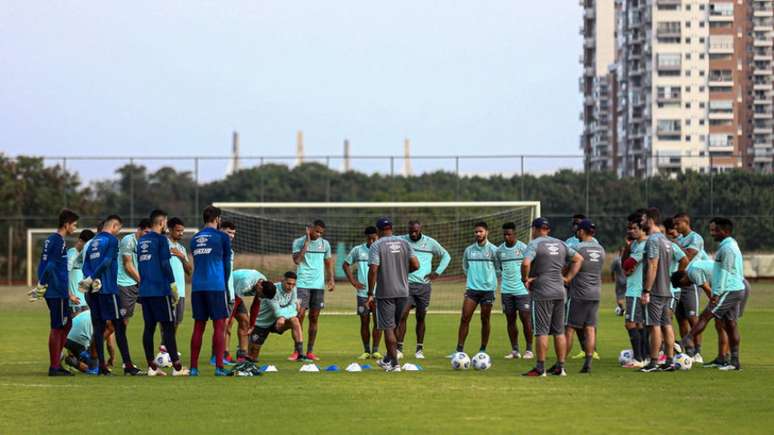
<point x="481" y="266"/>
<point x="390" y="260"/>
<point x="278" y="312"/>
<point x="128" y="277"/>
<point x="571" y="242"/>
<point x="618" y="276"/>
<point x="657" y="291"/>
<point x="515" y="297"/>
<point x="211" y="249"/>
<point x="687" y="310"/>
<point x="728" y="290"/>
<point x="420" y="282"/>
<point x="358" y="257"/>
<point x="181" y="265"/>
<point x="157" y="296"/>
<point x="585" y="292"/>
<point x="679" y="262"/>
<point x="541" y="272"/>
<point x="79" y="343"/>
<point x="236" y="306"/>
<point x="634" y="319"/>
<point x="75" y="271"/>
<point x="52" y="276"/>
<point x="312" y="255"/>
<point x="100" y="269"/>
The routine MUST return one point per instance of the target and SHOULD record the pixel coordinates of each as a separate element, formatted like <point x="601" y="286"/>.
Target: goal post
<point x="265" y="233"/>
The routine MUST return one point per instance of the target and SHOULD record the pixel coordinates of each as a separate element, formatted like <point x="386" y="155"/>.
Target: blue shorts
<point x="209" y="305"/>
<point x="59" y="311"/>
<point x="157" y="309"/>
<point x="104" y="306"/>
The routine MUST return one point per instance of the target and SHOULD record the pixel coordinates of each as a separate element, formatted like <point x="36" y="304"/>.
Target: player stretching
<point x="128" y="276"/>
<point x="420" y="282"/>
<point x="211" y="249"/>
<point x="687" y="310"/>
<point x="541" y="272"/>
<point x="75" y="271"/>
<point x="358" y="257"/>
<point x="390" y="260"/>
<point x="728" y="290"/>
<point x="278" y="312"/>
<point x="52" y="277"/>
<point x="312" y="254"/>
<point x="100" y="268"/>
<point x="515" y="298"/>
<point x="657" y="292"/>
<point x="585" y="292"/>
<point x="481" y="266"/>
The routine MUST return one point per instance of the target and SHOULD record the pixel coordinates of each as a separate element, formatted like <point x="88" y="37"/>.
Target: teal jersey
<point x="693" y="241"/>
<point x="728" y="272"/>
<point x="481" y="266"/>
<point x="358" y="258"/>
<point x="425" y="249"/>
<point x="573" y="242"/>
<point x="230" y="283"/>
<point x="177" y="268"/>
<point x="283" y="304"/>
<point x="510" y="268"/>
<point x="677" y="255"/>
<point x="81" y="330"/>
<point x="700" y="272"/>
<point x="127" y="248"/>
<point x="311" y="269"/>
<point x="634" y="281"/>
<point x="75" y="275"/>
<point x="245" y="280"/>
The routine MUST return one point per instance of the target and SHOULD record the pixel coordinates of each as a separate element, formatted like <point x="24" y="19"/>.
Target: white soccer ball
<point x="625" y="356"/>
<point x="163" y="360"/>
<point x="683" y="361"/>
<point x="481" y="361"/>
<point x="460" y="361"/>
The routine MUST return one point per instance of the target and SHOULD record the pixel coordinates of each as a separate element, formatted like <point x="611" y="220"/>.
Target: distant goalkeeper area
<point x="265" y="233"/>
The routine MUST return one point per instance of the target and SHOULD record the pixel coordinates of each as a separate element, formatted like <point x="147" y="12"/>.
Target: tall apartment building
<point x="694" y="88"/>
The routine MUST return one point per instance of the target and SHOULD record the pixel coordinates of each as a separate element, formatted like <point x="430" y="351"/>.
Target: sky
<point x="176" y="78"/>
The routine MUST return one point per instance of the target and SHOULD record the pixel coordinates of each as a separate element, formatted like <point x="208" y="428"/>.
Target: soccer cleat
<point x="535" y="373"/>
<point x="133" y="371"/>
<point x="579" y="355"/>
<point x="662" y="359"/>
<point x="220" y="372"/>
<point x="400" y="355"/>
<point x="156" y="372"/>
<point x="58" y="372"/>
<point x="717" y="362"/>
<point x="194" y="372"/>
<point x="730" y="367"/>
<point x="311" y="356"/>
<point x="295" y="356"/>
<point x="649" y="368"/>
<point x="698" y="359"/>
<point x="377" y="355"/>
<point x="595" y="355"/>
<point x="528" y="355"/>
<point x="585" y="369"/>
<point x="93" y="372"/>
<point x="513" y="355"/>
<point x="677" y="348"/>
<point x="666" y="367"/>
<point x="557" y="371"/>
<point x="633" y="364"/>
<point x="364" y="355"/>
<point x="182" y="372"/>
<point x="229" y="360"/>
<point x="383" y="364"/>
<point x="420" y="354"/>
<point x="104" y="371"/>
<point x="392" y="368"/>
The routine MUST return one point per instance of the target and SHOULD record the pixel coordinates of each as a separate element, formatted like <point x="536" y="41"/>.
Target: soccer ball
<point x="625" y="356"/>
<point x="460" y="361"/>
<point x="481" y="361"/>
<point x="163" y="360"/>
<point x="683" y="361"/>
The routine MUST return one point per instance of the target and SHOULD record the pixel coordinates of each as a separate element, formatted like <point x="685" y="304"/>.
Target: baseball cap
<point x="383" y="222"/>
<point x="586" y="225"/>
<point x="540" y="223"/>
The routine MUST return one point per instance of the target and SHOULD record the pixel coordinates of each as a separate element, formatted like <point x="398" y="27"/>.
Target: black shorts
<point x="362" y="306"/>
<point x="514" y="303"/>
<point x="581" y="313"/>
<point x="688" y="304"/>
<point x="480" y="297"/>
<point x="259" y="335"/>
<point x="658" y="312"/>
<point x="180" y="311"/>
<point x="419" y="296"/>
<point x="59" y="312"/>
<point x="635" y="311"/>
<point x="74" y="347"/>
<point x="104" y="306"/>
<point x="729" y="305"/>
<point x="548" y="317"/>
<point x="157" y="309"/>
<point x="209" y="305"/>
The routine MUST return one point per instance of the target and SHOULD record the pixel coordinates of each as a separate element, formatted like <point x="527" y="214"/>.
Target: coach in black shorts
<point x="390" y="260"/>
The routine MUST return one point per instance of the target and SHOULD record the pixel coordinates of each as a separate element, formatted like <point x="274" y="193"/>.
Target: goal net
<point x="265" y="233"/>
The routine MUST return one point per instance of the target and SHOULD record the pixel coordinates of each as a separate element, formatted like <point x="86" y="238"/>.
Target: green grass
<point x="436" y="400"/>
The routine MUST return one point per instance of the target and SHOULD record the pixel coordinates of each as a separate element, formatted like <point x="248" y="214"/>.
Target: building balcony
<point x="588" y="71"/>
<point x="763" y="12"/>
<point x="762" y="57"/>
<point x="762" y="71"/>
<point x="589" y="13"/>
<point x="720" y="83"/>
<point x="762" y="86"/>
<point x="764" y="42"/>
<point x="719" y="18"/>
<point x="589" y="42"/>
<point x="763" y="115"/>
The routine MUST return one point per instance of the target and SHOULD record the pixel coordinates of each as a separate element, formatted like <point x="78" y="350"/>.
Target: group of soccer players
<point x="552" y="287"/>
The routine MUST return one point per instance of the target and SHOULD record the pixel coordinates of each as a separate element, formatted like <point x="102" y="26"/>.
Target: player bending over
<point x="278" y="312"/>
<point x="515" y="297"/>
<point x="358" y="257"/>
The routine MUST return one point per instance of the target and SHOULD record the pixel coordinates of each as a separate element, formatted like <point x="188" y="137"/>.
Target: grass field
<point x="436" y="400"/>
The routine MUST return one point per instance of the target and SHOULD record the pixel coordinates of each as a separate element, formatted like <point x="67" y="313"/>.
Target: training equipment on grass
<point x="354" y="368"/>
<point x="309" y="368"/>
<point x="332" y="368"/>
<point x="625" y="356"/>
<point x="481" y="361"/>
<point x="267" y="230"/>
<point x="683" y="361"/>
<point x="411" y="367"/>
<point x="460" y="361"/>
<point x="163" y="360"/>
<point x="268" y="368"/>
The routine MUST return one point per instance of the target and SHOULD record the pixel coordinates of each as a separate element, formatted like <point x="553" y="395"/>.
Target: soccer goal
<point x="36" y="237"/>
<point x="265" y="233"/>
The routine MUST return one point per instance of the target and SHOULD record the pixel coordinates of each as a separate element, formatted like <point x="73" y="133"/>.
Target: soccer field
<point x="435" y="400"/>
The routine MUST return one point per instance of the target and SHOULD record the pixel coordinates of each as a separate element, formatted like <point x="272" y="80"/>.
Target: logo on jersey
<point x="202" y="240"/>
<point x="553" y="248"/>
<point x="595" y="255"/>
<point x="145" y="245"/>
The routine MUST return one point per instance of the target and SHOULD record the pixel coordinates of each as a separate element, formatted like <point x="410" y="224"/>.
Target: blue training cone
<point x="332" y="368"/>
<point x="365" y="366"/>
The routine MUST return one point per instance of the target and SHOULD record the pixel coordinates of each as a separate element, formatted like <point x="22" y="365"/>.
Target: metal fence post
<point x="10" y="252"/>
<point x="328" y="179"/>
<point x="522" y="179"/>
<point x="260" y="177"/>
<point x="64" y="185"/>
<point x="392" y="166"/>
<point x="457" y="173"/>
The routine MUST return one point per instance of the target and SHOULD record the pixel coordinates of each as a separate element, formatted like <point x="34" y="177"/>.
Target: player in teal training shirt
<point x="514" y="295"/>
<point x="358" y="258"/>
